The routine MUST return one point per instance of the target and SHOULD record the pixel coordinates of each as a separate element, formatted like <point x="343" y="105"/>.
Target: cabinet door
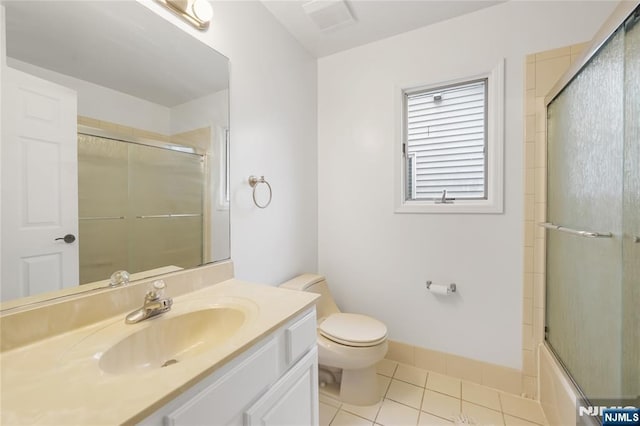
<point x="227" y="396"/>
<point x="293" y="400"/>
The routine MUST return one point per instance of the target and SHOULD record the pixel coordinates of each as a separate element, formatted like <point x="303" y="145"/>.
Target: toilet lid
<point x="353" y="329"/>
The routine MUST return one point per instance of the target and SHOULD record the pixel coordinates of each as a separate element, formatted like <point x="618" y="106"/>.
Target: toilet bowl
<point x="349" y="345"/>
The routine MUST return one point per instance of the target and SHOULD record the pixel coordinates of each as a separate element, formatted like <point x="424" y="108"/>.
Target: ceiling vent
<point x="329" y="15"/>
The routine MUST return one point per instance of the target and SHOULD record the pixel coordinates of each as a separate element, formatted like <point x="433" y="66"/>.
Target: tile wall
<point x="542" y="72"/>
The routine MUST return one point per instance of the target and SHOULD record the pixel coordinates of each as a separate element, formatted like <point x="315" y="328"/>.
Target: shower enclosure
<point x="140" y="207"/>
<point x="593" y="220"/>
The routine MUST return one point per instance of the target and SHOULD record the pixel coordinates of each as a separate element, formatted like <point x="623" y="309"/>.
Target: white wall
<point x="209" y="110"/>
<point x="273" y="133"/>
<point x="376" y="261"/>
<point x="106" y="104"/>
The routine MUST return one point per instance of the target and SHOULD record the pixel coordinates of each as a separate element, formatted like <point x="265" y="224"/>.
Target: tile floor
<point x="415" y="397"/>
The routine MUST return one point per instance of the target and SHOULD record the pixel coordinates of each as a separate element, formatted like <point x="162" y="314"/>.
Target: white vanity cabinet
<point x="272" y="383"/>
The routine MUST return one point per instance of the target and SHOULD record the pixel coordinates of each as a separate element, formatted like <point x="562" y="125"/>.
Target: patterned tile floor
<point x="415" y="397"/>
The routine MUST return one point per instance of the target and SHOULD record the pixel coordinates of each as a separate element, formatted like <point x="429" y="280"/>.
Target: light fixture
<point x="197" y="12"/>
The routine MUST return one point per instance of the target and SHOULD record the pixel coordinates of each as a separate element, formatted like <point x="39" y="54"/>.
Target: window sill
<point x="463" y="207"/>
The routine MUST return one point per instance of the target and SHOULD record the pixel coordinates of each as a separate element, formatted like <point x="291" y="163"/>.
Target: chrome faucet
<point x="154" y="304"/>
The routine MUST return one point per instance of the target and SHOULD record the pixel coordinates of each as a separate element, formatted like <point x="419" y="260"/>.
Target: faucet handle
<point x="156" y="291"/>
<point x="119" y="278"/>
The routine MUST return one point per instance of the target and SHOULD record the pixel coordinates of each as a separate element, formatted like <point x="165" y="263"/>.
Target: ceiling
<point x="116" y="44"/>
<point x="374" y="20"/>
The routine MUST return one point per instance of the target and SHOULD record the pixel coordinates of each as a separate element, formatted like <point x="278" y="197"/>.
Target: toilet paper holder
<point x="451" y="287"/>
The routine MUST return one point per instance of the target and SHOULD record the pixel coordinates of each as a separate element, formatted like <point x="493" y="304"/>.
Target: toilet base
<point x="360" y="387"/>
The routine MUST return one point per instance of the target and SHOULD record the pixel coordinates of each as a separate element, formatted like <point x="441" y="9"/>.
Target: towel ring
<point x="254" y="181"/>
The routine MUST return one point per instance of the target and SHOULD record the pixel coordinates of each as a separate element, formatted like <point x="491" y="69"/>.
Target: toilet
<point x="349" y="345"/>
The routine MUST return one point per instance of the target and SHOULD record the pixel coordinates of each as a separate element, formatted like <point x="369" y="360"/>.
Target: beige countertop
<point x="58" y="380"/>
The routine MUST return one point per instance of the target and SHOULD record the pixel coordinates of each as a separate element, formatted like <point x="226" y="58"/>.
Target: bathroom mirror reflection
<point x="115" y="143"/>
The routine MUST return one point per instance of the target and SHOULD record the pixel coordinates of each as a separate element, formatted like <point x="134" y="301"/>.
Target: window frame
<point x="494" y="161"/>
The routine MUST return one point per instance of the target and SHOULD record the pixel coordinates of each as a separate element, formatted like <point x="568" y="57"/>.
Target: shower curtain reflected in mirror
<point x="593" y="284"/>
<point x="140" y="207"/>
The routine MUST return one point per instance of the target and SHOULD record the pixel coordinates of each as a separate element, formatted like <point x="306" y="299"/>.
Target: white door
<point x="39" y="186"/>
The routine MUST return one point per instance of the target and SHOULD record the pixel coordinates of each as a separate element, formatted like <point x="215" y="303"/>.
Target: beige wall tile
<point x="540" y="150"/>
<point x="527" y="337"/>
<point x="530" y="102"/>
<point x="529" y="207"/>
<point x="539" y="264"/>
<point x="464" y="368"/>
<point x="541" y="115"/>
<point x="530" y="386"/>
<point x="538" y="290"/>
<point x="540" y="177"/>
<point x="527" y="291"/>
<point x="401" y="352"/>
<point x="530" y="76"/>
<point x="549" y="71"/>
<point x="540" y="212"/>
<point x="554" y="53"/>
<point x="528" y="260"/>
<point x="527" y="311"/>
<point x="529" y="155"/>
<point x="528" y="234"/>
<point x="430" y="360"/>
<point x="530" y="128"/>
<point x="579" y="48"/>
<point x="538" y="325"/>
<point x="502" y="378"/>
<point x="529" y="182"/>
<point x="529" y="363"/>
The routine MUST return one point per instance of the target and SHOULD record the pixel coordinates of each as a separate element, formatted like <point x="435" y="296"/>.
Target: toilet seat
<point x="353" y="330"/>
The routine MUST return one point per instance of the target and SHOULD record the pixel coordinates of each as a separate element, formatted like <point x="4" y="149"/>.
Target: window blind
<point x="446" y="142"/>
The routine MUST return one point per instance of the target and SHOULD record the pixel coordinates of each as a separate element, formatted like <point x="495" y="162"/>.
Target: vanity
<point x="228" y="352"/>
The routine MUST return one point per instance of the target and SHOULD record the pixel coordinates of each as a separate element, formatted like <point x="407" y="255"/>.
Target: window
<point x="452" y="147"/>
<point x="445" y="142"/>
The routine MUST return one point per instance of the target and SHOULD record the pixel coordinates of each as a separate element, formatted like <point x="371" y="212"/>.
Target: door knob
<point x="69" y="238"/>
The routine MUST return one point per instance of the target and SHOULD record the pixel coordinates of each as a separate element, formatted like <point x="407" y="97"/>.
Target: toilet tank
<point x="312" y="283"/>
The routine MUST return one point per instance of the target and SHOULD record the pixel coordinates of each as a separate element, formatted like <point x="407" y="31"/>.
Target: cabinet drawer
<point x="300" y="336"/>
<point x="220" y="402"/>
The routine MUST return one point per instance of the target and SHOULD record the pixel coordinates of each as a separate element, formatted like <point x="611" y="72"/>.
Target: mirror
<point x="115" y="144"/>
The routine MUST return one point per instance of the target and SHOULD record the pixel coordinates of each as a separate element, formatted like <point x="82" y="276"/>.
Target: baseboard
<point x="498" y="377"/>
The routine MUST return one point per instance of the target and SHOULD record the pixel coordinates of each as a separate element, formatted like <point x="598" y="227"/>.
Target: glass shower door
<point x="584" y="275"/>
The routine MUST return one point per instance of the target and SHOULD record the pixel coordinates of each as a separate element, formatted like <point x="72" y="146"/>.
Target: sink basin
<point x="170" y="340"/>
